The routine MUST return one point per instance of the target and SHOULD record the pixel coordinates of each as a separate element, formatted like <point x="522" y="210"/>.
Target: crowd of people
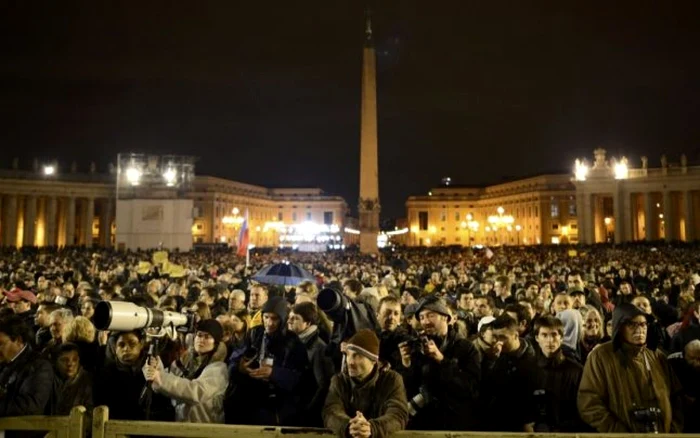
<point x="512" y="339"/>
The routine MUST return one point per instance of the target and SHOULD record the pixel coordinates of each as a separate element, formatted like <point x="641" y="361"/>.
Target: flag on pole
<point x="243" y="237"/>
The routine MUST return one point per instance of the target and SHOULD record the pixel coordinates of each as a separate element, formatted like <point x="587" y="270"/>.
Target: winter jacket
<point x="556" y="395"/>
<point x="509" y="385"/>
<point x="68" y="394"/>
<point x="685" y="335"/>
<point x="120" y="386"/>
<point x="689" y="378"/>
<point x="280" y="400"/>
<point x="26" y="383"/>
<point x="451" y="386"/>
<point x="322" y="370"/>
<point x="381" y="398"/>
<point x="616" y="381"/>
<point x="198" y="400"/>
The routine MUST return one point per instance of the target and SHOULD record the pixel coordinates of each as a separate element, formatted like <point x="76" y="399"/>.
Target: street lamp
<point x="49" y="170"/>
<point x="133" y="176"/>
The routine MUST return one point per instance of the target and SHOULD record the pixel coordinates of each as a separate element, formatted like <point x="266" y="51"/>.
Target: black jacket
<point x="508" y="389"/>
<point x="322" y="371"/>
<point x="119" y="387"/>
<point x="451" y="387"/>
<point x="689" y="378"/>
<point x="281" y="400"/>
<point x="26" y="385"/>
<point x="556" y="396"/>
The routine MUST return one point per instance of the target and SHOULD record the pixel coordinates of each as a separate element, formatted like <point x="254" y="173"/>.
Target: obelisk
<point x="369" y="164"/>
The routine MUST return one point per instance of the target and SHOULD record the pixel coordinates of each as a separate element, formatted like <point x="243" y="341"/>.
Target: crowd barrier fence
<point x="69" y="426"/>
<point x="103" y="427"/>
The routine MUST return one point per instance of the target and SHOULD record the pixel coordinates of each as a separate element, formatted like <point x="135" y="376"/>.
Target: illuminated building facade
<point x="608" y="201"/>
<point x="58" y="207"/>
<point x="221" y="205"/>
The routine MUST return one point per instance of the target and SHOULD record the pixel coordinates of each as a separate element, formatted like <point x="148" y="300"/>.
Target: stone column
<point x="627" y="214"/>
<point x="619" y="215"/>
<point x="9" y="232"/>
<point x="51" y="224"/>
<point x="106" y="224"/>
<point x="689" y="216"/>
<point x="588" y="215"/>
<point x="669" y="220"/>
<point x="649" y="234"/>
<point x="70" y="221"/>
<point x="89" y="216"/>
<point x="29" y="221"/>
<point x="579" y="216"/>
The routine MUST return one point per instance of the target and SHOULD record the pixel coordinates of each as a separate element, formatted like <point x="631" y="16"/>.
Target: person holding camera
<point x="441" y="371"/>
<point x="366" y="399"/>
<point x="198" y="383"/>
<point x="627" y="387"/>
<point x="268" y="383"/>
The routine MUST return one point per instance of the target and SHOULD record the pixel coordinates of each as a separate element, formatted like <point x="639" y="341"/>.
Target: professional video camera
<point x="348" y="317"/>
<point x="123" y="316"/>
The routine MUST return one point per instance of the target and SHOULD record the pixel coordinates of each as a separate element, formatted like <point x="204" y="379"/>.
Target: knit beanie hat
<point x="366" y="343"/>
<point x="278" y="306"/>
<point x="212" y="327"/>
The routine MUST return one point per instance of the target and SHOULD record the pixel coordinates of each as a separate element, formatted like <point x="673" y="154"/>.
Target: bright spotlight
<point x="580" y="170"/>
<point x="621" y="170"/>
<point x="133" y="176"/>
<point x="170" y="176"/>
<point x="49" y="170"/>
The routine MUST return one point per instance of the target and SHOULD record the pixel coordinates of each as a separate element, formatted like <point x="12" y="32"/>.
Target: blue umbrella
<point x="283" y="274"/>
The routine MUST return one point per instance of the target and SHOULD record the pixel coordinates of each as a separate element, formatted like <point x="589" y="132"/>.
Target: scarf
<point x="308" y="333"/>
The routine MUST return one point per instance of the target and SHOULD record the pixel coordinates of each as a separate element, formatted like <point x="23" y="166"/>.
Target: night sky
<point x="268" y="92"/>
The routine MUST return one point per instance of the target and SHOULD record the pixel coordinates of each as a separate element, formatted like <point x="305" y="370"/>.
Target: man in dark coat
<point x="26" y="379"/>
<point x="268" y="389"/>
<point x="510" y="381"/>
<point x="441" y="373"/>
<point x="686" y="366"/>
<point x="367" y="398"/>
<point x="556" y="396"/>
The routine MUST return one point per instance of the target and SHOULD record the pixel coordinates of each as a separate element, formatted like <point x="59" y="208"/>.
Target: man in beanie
<point x="365" y="399"/>
<point x="269" y="387"/>
<point x="197" y="383"/>
<point x="441" y="371"/>
<point x="626" y="387"/>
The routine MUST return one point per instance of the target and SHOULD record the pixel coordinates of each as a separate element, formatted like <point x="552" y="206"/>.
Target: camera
<point x="418" y="342"/>
<point x="123" y="317"/>
<point x="418" y="401"/>
<point x="647" y="417"/>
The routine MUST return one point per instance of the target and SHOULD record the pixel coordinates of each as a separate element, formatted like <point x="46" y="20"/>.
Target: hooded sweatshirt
<point x="619" y="378"/>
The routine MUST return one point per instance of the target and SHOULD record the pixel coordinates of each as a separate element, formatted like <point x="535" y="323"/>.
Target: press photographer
<point x="441" y="373"/>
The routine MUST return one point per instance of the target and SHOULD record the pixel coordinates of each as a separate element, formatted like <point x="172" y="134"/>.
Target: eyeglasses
<point x="637" y="325"/>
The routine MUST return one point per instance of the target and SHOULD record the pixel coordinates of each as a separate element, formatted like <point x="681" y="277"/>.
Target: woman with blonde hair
<point x="81" y="332"/>
<point x="593" y="332"/>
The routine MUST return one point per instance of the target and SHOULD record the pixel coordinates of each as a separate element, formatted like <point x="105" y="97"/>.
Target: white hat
<point x="484" y="321"/>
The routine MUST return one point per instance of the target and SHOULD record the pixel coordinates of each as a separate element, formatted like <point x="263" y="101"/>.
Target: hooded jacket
<point x="381" y="399"/>
<point x="619" y="378"/>
<point x="199" y="400"/>
<point x="282" y="398"/>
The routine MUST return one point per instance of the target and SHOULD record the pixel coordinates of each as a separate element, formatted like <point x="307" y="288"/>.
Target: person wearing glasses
<point x="627" y="387"/>
<point x="197" y="384"/>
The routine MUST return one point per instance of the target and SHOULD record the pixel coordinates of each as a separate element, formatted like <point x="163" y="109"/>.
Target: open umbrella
<point x="283" y="274"/>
